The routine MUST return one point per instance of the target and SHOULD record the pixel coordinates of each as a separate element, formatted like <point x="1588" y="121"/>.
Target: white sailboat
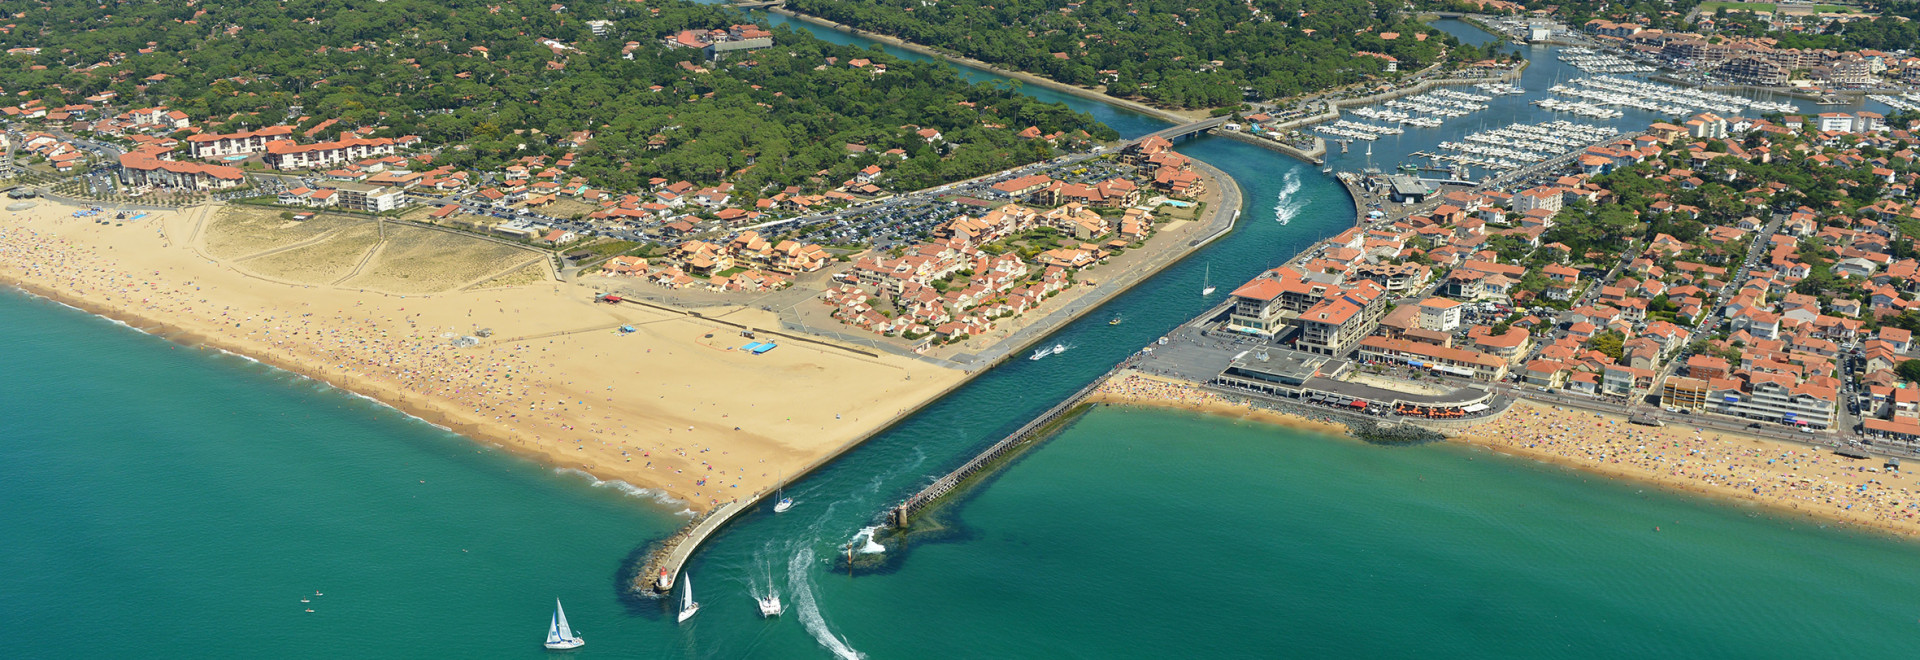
<point x="770" y="605"/>
<point x="1207" y="282"/>
<point x="687" y="605"/>
<point x="784" y="503"/>
<point x="560" y="636"/>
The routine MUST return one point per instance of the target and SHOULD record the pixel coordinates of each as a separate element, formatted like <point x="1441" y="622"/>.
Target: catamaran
<point x="1207" y="282"/>
<point x="770" y="605"/>
<point x="784" y="503"/>
<point x="687" y="605"/>
<point x="561" y="637"/>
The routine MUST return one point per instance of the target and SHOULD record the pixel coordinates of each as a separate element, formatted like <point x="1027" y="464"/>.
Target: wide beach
<point x="673" y="406"/>
<point x="1787" y="478"/>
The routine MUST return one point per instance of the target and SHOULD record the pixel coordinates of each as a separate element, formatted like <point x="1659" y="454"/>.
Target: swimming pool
<point x="235" y="157"/>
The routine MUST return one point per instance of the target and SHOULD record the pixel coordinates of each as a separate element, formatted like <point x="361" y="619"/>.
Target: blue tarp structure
<point x="758" y="347"/>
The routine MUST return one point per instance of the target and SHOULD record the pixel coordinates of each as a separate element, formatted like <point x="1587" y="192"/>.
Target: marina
<point x="1908" y="102"/>
<point x="1659" y="98"/>
<point x="1428" y="110"/>
<point x="1518" y="145"/>
<point x="1590" y="61"/>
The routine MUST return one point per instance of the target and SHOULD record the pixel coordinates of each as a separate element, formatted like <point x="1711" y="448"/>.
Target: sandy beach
<point x="1791" y="479"/>
<point x="375" y="308"/>
<point x="1785" y="477"/>
<point x="1132" y="388"/>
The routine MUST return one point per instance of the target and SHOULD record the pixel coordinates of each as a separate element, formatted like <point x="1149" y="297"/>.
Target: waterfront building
<point x="1543" y="372"/>
<point x="1407" y="189"/>
<point x="139" y="168"/>
<point x="1684" y="392"/>
<point x="1456" y="361"/>
<point x="1335" y="324"/>
<point x="1623" y="381"/>
<point x="1754" y="71"/>
<point x="1263" y="305"/>
<point x="1772" y="400"/>
<point x="370" y="198"/>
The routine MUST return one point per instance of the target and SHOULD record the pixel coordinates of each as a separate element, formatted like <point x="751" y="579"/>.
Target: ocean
<point x="164" y="501"/>
<point x="171" y="502"/>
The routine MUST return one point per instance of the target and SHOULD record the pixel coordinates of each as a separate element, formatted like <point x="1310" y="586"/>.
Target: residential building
<point x="217" y="145"/>
<point x="139" y="168"/>
<point x="369" y="198"/>
<point x="288" y="155"/>
<point x="1440" y="314"/>
<point x="1335" y="324"/>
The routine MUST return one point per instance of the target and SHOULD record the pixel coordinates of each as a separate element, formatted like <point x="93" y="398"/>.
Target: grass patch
<point x="322" y="262"/>
<point x="533" y="273"/>
<point x="238" y="231"/>
<point x="418" y="260"/>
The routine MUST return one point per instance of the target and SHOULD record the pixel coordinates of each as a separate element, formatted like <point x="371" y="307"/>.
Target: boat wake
<point x="801" y="585"/>
<point x="1283" y="208"/>
<point x="761" y="582"/>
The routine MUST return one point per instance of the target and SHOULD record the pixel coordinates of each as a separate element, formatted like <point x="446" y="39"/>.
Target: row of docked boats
<point x="1500" y="89"/>
<point x="1580" y="108"/>
<point x="1519" y="145"/>
<point x="1355" y="130"/>
<point x="1667" y="99"/>
<point x="1904" y="103"/>
<point x="1428" y="110"/>
<point x="1591" y="61"/>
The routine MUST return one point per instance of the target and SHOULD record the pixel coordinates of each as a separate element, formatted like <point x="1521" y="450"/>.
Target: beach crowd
<point x="515" y="388"/>
<point x="1778" y="474"/>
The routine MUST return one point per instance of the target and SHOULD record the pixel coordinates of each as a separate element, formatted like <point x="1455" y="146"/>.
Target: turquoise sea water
<point x="169" y="502"/>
